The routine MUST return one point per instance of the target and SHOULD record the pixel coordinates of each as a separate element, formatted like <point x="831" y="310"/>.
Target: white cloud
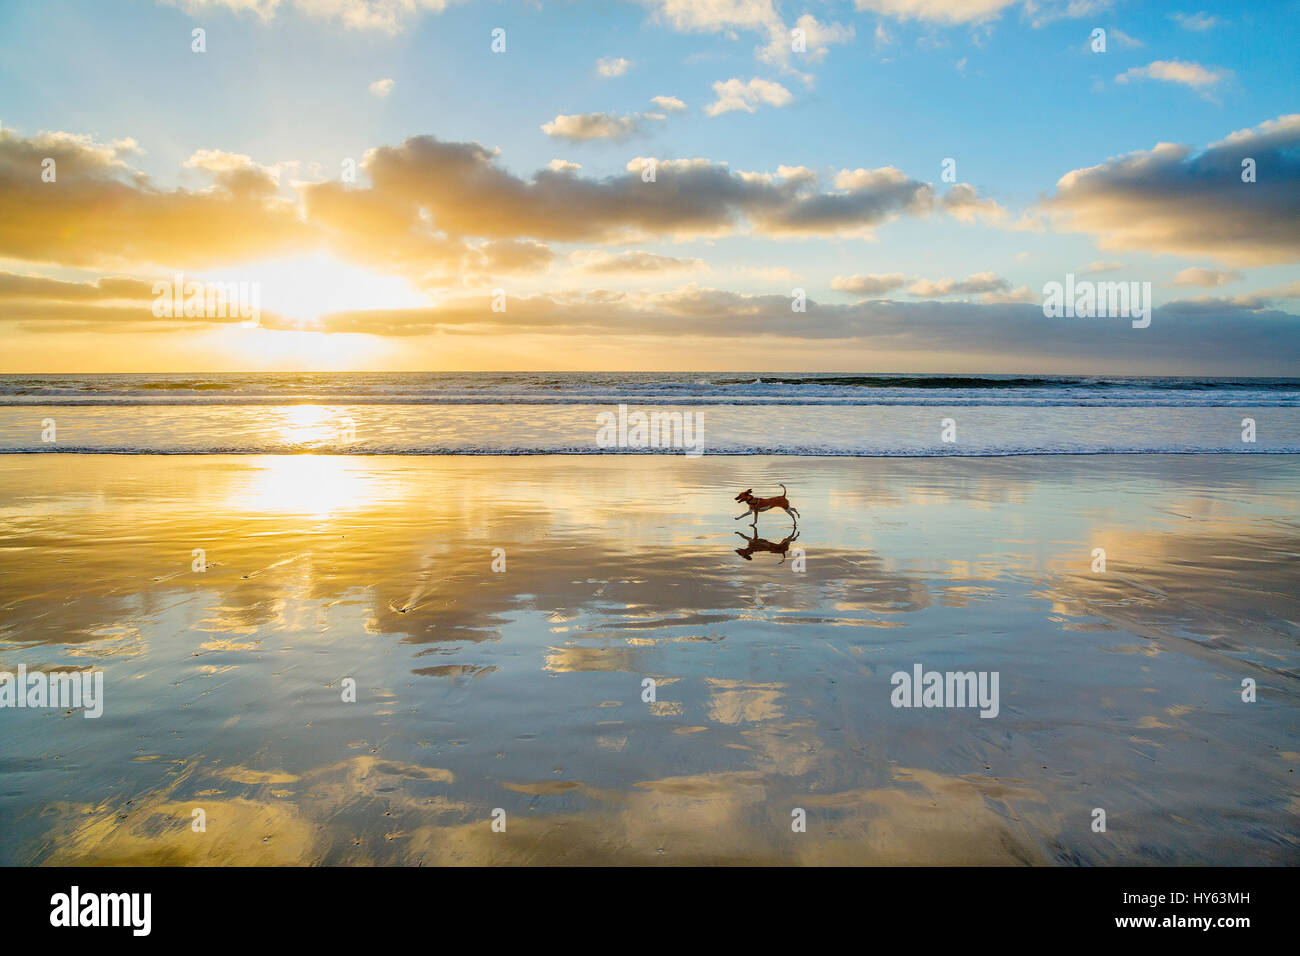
<point x="612" y="66"/>
<point x="964" y="204"/>
<point x="980" y="282"/>
<point x="669" y="104"/>
<point x="1178" y="200"/>
<point x="598" y="262"/>
<point x="579" y="127"/>
<point x="386" y="16"/>
<point x="1196" y="22"/>
<point x="382" y="88"/>
<point x="1123" y="38"/>
<point x="1020" y="294"/>
<point x="941" y="11"/>
<point x="736" y="95"/>
<point x="816" y="39"/>
<point x="1206" y="278"/>
<point x="1174" y="71"/>
<point x="869" y="284"/>
<point x="754" y="16"/>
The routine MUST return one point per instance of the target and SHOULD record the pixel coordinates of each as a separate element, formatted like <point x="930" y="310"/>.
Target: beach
<point x="500" y="616"/>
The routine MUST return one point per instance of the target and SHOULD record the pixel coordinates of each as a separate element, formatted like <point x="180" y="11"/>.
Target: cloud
<point x="1170" y="199"/>
<point x="1123" y="38"/>
<point x="669" y="104"/>
<point x="1244" y="335"/>
<point x="1206" y="277"/>
<point x="612" y="66"/>
<point x="938" y="11"/>
<point x="1043" y="12"/>
<point x="265" y="9"/>
<point x="1237" y="305"/>
<point x="1196" y="22"/>
<point x="377" y="229"/>
<point x="714" y="16"/>
<point x="108" y="304"/>
<point x="736" y="95"/>
<point x="99" y="212"/>
<point x="868" y="284"/>
<point x="962" y="202"/>
<point x="1101" y="266"/>
<point x="598" y="262"/>
<point x="1175" y="71"/>
<point x="385" y="16"/>
<point x="423" y="208"/>
<point x="236" y="172"/>
<point x="513" y="255"/>
<point x="426" y="188"/>
<point x="382" y="88"/>
<point x="106" y="289"/>
<point x="814" y="38"/>
<point x="762" y="17"/>
<point x="979" y="282"/>
<point x="1020" y="294"/>
<point x="580" y="127"/>
<point x="1233" y="338"/>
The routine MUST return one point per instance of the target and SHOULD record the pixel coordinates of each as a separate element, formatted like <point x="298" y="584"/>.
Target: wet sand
<point x="521" y="689"/>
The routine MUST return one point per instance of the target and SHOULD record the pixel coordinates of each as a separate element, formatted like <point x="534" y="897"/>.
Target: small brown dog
<point x="757" y="505"/>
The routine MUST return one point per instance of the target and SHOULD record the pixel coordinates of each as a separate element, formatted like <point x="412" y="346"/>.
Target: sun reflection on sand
<point x="303" y="484"/>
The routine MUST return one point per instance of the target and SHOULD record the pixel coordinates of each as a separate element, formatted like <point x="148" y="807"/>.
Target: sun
<point x="307" y="287"/>
<point x="299" y="292"/>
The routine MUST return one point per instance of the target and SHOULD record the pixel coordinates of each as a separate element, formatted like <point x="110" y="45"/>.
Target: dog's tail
<point x="783" y="491"/>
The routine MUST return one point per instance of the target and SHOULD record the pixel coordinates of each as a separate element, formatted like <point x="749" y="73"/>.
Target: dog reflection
<point x="759" y="544"/>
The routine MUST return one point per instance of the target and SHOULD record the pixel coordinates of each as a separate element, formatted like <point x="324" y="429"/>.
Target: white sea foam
<point x="556" y="414"/>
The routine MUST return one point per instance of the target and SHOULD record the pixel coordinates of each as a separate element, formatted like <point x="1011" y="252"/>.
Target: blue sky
<point x="1011" y="91"/>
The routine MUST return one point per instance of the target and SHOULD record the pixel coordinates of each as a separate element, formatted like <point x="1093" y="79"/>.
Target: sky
<point x="869" y="185"/>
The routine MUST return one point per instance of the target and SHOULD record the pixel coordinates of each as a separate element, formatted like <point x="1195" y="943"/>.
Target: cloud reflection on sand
<point x="522" y="690"/>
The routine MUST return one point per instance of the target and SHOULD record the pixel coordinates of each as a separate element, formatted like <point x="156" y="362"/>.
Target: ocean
<point x="521" y="413"/>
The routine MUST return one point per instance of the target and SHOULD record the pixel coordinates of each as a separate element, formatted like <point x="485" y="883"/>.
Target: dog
<point x="757" y="505"/>
<point x="759" y="544"/>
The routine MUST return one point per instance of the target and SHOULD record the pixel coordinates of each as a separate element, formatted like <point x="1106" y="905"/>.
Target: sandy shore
<point x="520" y="688"/>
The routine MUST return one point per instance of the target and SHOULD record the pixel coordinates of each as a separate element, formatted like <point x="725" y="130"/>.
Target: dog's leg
<point x="738" y="517"/>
